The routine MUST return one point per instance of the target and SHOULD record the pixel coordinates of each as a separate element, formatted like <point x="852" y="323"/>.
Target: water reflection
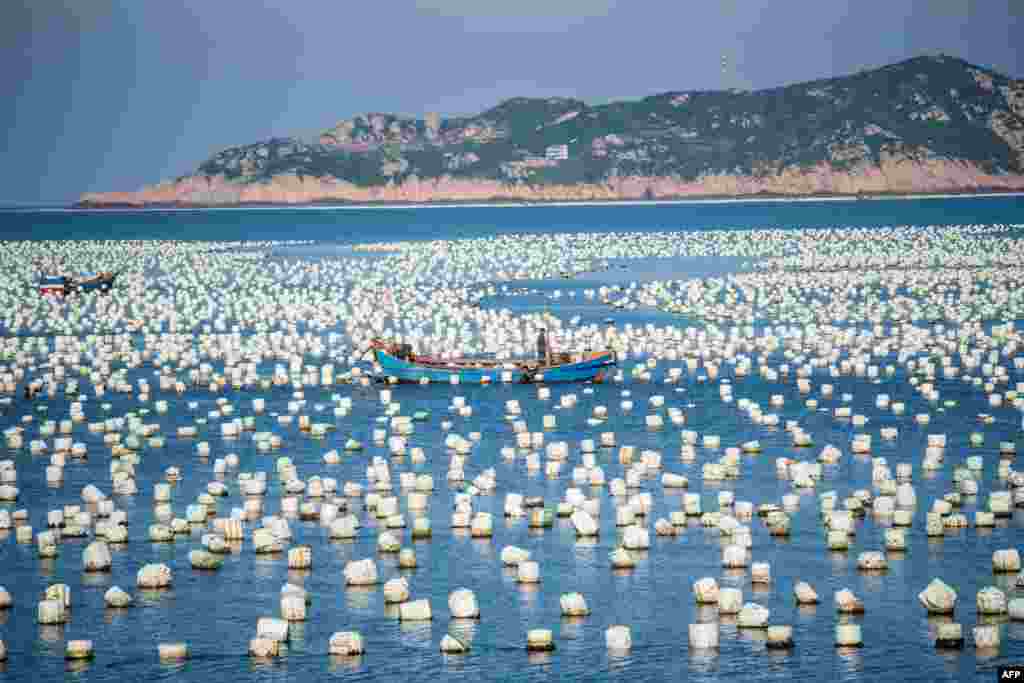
<point x="703" y="661"/>
<point x="483" y="547"/>
<point x="993" y="619"/>
<point x="733" y="576"/>
<point x="112" y="614"/>
<point x="359" y="597"/>
<point x="1015" y="630"/>
<point x="985" y="654"/>
<point x="839" y="561"/>
<point x="265" y="664"/>
<point x="618" y="661"/>
<point x="173" y="666"/>
<point x="753" y="635"/>
<point x="415" y="633"/>
<point x="51" y="633"/>
<point x="266" y="565"/>
<point x="777" y="658"/>
<point x="454" y="661"/>
<point x="464" y="629"/>
<point x="572" y="628"/>
<point x="154" y="596"/>
<point x="539" y="659"/>
<point x="873" y="581"/>
<point x="706" y="614"/>
<point x="76" y="666"/>
<point x="851" y="659"/>
<point x="1005" y="582"/>
<point x="296" y="635"/>
<point x="342" y="546"/>
<point x="96" y="579"/>
<point x="528" y="594"/>
<point x="299" y="576"/>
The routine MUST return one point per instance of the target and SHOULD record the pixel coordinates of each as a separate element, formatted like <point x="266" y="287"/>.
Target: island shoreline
<point x="326" y="205"/>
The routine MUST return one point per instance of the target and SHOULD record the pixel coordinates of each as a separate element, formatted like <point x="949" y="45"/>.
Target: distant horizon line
<point x="70" y="208"/>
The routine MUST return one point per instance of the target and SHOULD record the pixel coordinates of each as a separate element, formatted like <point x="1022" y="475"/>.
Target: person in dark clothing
<point x="542" y="346"/>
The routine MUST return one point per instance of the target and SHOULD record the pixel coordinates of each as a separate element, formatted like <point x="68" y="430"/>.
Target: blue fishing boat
<point x="102" y="282"/>
<point x="61" y="285"/>
<point x="398" y="363"/>
<point x="54" y="285"/>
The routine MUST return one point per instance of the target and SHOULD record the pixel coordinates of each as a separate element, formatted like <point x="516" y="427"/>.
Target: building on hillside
<point x="557" y="152"/>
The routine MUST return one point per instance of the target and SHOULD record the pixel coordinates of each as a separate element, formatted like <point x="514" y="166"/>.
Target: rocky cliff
<point x="929" y="124"/>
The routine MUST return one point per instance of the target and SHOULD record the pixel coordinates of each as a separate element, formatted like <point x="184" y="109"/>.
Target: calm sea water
<point x="216" y="613"/>
<point x="371" y="225"/>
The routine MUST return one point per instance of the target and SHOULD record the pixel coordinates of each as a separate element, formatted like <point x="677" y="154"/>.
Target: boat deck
<point x="419" y="369"/>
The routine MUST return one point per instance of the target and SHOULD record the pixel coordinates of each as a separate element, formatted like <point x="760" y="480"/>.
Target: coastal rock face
<point x="929" y="124"/>
<point x="1010" y="128"/>
<point x="896" y="175"/>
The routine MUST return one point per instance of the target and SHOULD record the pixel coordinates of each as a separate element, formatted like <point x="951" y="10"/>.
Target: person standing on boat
<point x="542" y="346"/>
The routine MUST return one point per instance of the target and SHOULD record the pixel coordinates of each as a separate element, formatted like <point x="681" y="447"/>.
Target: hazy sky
<point x="103" y="95"/>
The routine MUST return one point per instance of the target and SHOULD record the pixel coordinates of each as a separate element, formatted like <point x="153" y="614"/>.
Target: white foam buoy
<point x="462" y="604"/>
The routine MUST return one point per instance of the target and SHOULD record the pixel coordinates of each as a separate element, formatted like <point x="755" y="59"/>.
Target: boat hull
<point x="60" y="285"/>
<point x="95" y="282"/>
<point x="589" y="369"/>
<point x="53" y="285"/>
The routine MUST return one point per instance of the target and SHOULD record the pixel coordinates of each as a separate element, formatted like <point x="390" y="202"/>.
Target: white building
<point x="557" y="152"/>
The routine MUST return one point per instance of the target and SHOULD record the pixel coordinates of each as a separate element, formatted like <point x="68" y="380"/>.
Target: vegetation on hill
<point x="927" y="109"/>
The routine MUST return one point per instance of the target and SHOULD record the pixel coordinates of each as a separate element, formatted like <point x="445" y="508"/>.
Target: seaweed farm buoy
<point x="453" y="646"/>
<point x="949" y="636"/>
<point x="540" y="640"/>
<point x="848" y="635"/>
<point x="346" y="643"/>
<point x="704" y="636"/>
<point x="463" y="604"/>
<point x="79" y="649"/>
<point x="779" y="637"/>
<point x="618" y="638"/>
<point x="172" y="651"/>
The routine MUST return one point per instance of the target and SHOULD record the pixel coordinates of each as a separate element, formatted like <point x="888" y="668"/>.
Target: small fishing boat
<point x="397" y="362"/>
<point x="54" y="285"/>
<point x="62" y="285"/>
<point x="88" y="282"/>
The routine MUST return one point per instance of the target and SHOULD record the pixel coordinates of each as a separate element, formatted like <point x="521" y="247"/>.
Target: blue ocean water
<point x="382" y="224"/>
<point x="216" y="613"/>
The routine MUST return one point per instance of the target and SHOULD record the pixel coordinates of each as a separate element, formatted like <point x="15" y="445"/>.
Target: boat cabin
<point x="54" y="285"/>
